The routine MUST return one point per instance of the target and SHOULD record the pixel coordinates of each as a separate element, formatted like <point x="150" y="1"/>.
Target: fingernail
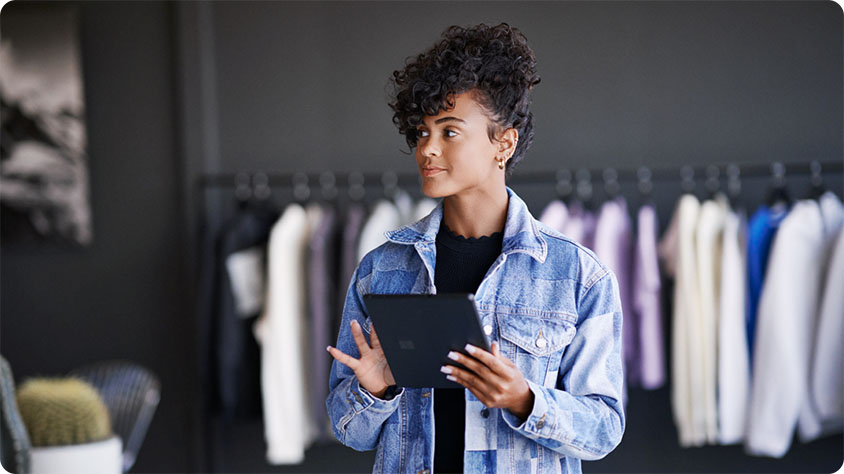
<point x="452" y="355"/>
<point x="451" y="377"/>
<point x="445" y="370"/>
<point x="328" y="348"/>
<point x="470" y="348"/>
<point x="353" y="322"/>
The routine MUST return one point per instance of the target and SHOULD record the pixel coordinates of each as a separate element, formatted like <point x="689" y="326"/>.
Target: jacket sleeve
<point x="583" y="415"/>
<point x="356" y="415"/>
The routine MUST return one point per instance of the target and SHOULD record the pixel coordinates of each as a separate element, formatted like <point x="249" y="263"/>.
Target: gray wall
<point x="176" y="90"/>
<point x="124" y="296"/>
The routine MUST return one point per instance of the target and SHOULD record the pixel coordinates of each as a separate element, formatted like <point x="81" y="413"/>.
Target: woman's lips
<point x="431" y="171"/>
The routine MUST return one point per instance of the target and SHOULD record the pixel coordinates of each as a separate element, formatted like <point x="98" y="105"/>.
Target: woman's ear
<point x="507" y="143"/>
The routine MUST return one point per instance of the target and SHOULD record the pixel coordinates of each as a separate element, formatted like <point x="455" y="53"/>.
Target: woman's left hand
<point x="494" y="379"/>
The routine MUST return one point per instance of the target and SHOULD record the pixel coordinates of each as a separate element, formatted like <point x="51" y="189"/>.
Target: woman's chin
<point x="432" y="189"/>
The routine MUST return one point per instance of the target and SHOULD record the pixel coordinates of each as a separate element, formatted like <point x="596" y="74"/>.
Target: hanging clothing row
<point x="276" y="285"/>
<point x="274" y="281"/>
<point x="632" y="255"/>
<point x="757" y="332"/>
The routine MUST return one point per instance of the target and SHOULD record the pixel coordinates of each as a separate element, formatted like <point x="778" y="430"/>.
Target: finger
<point x="360" y="340"/>
<point x="480" y="396"/>
<point x="471" y="380"/>
<point x="373" y="338"/>
<point x="496" y="351"/>
<point x="343" y="358"/>
<point x="493" y="361"/>
<point x="471" y="363"/>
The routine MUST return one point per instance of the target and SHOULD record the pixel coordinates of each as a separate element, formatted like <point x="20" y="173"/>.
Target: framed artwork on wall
<point x="44" y="194"/>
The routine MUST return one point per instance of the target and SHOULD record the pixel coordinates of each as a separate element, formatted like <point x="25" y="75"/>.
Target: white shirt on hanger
<point x="733" y="360"/>
<point x="827" y="377"/>
<point x="810" y="424"/>
<point x="708" y="237"/>
<point x="677" y="249"/>
<point x="785" y="330"/>
<point x="384" y="217"/>
<point x="281" y="332"/>
<point x="423" y="207"/>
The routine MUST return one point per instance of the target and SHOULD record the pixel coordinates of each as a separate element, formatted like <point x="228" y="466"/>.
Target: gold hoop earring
<point x="501" y="163"/>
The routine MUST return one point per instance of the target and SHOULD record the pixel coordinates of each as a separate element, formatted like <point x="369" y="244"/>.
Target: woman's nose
<point x="429" y="147"/>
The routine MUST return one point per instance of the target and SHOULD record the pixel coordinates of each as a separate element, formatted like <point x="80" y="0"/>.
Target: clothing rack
<point x="259" y="184"/>
<point x="329" y="178"/>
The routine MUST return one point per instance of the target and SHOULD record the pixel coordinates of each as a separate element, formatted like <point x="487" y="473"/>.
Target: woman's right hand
<point x="371" y="369"/>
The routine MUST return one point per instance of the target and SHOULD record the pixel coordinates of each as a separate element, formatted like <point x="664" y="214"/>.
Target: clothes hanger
<point x="611" y="187"/>
<point x="818" y="188"/>
<point x="733" y="186"/>
<point x="301" y="189"/>
<point x="687" y="179"/>
<point x="584" y="189"/>
<point x="242" y="190"/>
<point x="564" y="188"/>
<point x="328" y="187"/>
<point x="390" y="184"/>
<point x="712" y="184"/>
<point x="356" y="188"/>
<point x="645" y="186"/>
<point x="777" y="191"/>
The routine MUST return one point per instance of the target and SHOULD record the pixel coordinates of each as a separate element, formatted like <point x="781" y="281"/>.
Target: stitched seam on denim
<point x="596" y="278"/>
<point x="498" y="309"/>
<point x="345" y="421"/>
<point x="542" y="244"/>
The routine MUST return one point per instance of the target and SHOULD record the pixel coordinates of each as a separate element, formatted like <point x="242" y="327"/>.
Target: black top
<point x="461" y="265"/>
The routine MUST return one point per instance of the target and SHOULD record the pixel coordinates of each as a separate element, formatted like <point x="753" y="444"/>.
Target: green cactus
<point x="62" y="411"/>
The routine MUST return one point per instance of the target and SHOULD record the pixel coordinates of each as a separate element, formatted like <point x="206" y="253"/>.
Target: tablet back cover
<point x="418" y="331"/>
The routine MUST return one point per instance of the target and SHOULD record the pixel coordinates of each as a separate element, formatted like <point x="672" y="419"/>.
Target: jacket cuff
<point x="540" y="421"/>
<point x="361" y="399"/>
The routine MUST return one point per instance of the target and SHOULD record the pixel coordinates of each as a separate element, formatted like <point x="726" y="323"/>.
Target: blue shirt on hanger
<point x="761" y="230"/>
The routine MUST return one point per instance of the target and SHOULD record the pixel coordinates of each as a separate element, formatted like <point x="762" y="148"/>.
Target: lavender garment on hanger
<point x="645" y="300"/>
<point x="613" y="244"/>
<point x="554" y="215"/>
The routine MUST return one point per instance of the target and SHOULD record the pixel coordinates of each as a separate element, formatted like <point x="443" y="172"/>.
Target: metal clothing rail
<point x="777" y="170"/>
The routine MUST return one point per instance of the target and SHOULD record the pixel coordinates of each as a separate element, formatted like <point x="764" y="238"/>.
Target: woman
<point x="549" y="392"/>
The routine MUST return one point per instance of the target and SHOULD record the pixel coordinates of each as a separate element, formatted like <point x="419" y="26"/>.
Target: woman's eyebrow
<point x="447" y="119"/>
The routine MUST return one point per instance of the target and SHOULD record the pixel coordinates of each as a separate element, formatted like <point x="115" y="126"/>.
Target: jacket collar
<point x="520" y="231"/>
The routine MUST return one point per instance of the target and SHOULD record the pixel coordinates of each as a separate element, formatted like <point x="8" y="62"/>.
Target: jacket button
<point x="540" y="424"/>
<point x="485" y="413"/>
<point x="488" y="329"/>
<point x="540" y="343"/>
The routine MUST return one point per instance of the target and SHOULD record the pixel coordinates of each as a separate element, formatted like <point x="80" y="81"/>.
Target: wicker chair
<point x="131" y="393"/>
<point x="15" y="439"/>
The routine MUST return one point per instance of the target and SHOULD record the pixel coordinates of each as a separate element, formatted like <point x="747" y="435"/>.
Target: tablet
<point x="418" y="331"/>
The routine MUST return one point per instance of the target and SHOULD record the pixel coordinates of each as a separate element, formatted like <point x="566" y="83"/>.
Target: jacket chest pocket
<point x="535" y="344"/>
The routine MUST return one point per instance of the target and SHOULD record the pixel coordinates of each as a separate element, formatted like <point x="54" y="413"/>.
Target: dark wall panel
<point x="124" y="296"/>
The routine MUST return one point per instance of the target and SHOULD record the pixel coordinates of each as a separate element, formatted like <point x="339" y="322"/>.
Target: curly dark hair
<point x="494" y="61"/>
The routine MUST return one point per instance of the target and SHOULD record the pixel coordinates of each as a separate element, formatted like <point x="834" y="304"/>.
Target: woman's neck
<point x="476" y="213"/>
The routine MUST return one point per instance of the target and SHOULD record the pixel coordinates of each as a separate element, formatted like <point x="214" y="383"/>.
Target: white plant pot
<point x="101" y="457"/>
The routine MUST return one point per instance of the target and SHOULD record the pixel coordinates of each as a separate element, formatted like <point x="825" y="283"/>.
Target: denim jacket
<point x="554" y="310"/>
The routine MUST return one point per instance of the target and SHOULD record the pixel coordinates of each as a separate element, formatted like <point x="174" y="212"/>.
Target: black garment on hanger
<point x="461" y="265"/>
<point x="231" y="379"/>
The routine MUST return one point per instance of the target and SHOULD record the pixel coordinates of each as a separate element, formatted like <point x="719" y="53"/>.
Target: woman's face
<point x="454" y="153"/>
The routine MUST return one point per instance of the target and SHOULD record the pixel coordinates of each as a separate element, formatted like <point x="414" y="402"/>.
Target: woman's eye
<point x="451" y="131"/>
<point x="419" y="133"/>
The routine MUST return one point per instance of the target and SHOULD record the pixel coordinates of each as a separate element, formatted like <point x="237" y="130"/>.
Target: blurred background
<point x="174" y="110"/>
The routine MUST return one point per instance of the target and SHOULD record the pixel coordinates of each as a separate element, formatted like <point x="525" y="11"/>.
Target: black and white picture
<point x="43" y="151"/>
